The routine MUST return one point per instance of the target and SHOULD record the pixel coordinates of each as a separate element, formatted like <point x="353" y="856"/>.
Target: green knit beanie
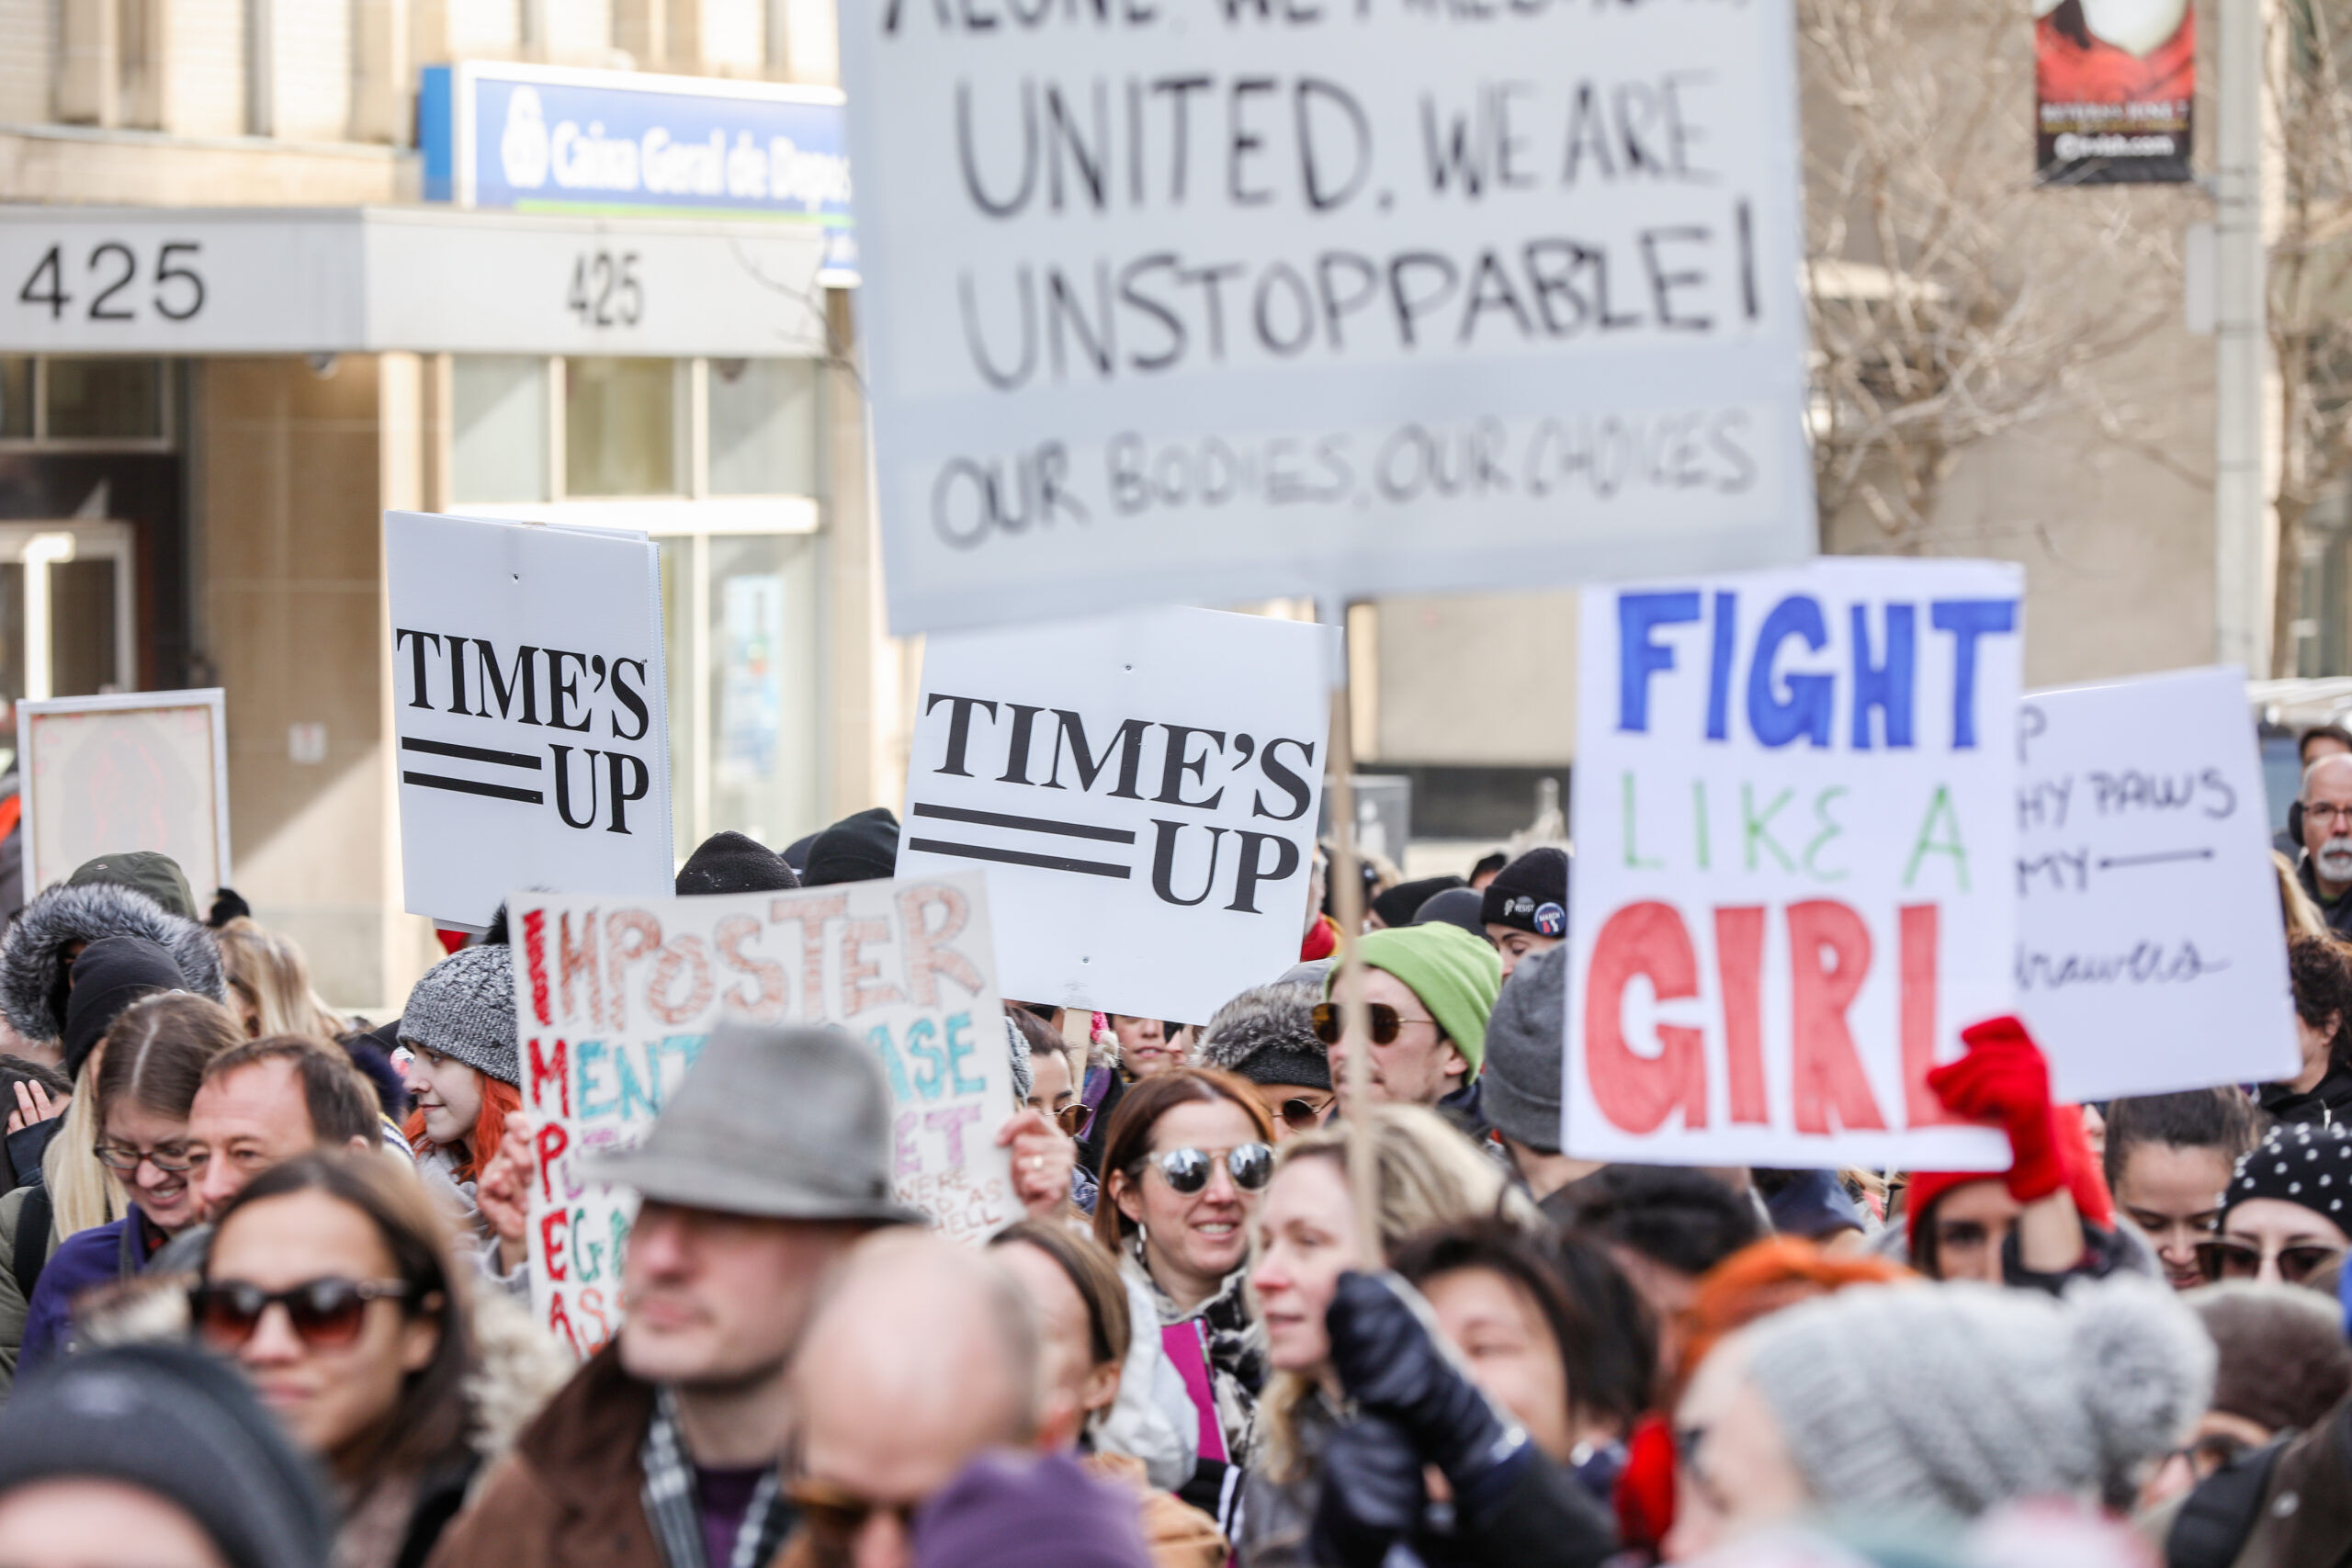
<point x="1456" y="975"/>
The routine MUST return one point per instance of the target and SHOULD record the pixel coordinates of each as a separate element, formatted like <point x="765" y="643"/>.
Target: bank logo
<point x="523" y="146"/>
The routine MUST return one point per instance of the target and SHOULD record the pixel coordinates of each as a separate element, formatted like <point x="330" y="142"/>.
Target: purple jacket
<point x="96" y="1256"/>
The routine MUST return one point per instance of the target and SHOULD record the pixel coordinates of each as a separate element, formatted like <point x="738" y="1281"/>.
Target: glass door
<point x="65" y="612"/>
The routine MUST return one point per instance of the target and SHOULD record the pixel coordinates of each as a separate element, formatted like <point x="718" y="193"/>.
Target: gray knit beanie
<point x="1267" y="1035"/>
<point x="1520" y="1088"/>
<point x="464" y="1008"/>
<point x="1016" y="1046"/>
<point x="1945" y="1400"/>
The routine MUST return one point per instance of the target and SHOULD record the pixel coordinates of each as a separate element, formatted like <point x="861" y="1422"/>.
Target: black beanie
<point x="179" y="1424"/>
<point x="111" y="972"/>
<point x="1530" y="893"/>
<point x="864" y="848"/>
<point x="1398" y="906"/>
<point x="728" y="861"/>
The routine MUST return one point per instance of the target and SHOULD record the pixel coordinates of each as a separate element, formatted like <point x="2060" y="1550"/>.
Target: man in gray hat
<point x="772" y="1159"/>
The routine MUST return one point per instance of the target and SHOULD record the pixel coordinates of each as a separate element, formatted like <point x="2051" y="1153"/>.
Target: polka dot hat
<point x="2307" y="1164"/>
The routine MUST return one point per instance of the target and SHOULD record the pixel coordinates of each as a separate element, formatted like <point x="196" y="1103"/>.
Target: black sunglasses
<point x="325" y="1314"/>
<point x="2226" y="1257"/>
<point x="1251" y="1165"/>
<point x="1386" y="1022"/>
<point x="1299" y="1115"/>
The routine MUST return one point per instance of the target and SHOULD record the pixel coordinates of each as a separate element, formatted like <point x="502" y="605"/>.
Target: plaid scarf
<point x="670" y="1508"/>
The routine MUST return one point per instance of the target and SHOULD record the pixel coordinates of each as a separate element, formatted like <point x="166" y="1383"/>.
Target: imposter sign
<point x="616" y="996"/>
<point x="1795" y="825"/>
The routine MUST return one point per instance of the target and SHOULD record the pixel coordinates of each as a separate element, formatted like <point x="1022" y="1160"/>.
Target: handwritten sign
<point x="616" y="997"/>
<point x="128" y="770"/>
<point x="1217" y="300"/>
<point x="1794" y="818"/>
<point x="533" y="711"/>
<point x="1143" y="791"/>
<point x="2151" y="954"/>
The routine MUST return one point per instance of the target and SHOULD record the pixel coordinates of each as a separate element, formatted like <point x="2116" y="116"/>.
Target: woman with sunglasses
<point x="2284" y="1216"/>
<point x="328" y="1285"/>
<point x="153" y="1062"/>
<point x="1184" y="1161"/>
<point x="1367" y="1394"/>
<point x="1266" y="1037"/>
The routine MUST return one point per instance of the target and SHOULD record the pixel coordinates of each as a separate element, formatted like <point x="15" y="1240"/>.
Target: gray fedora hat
<point x="786" y="1123"/>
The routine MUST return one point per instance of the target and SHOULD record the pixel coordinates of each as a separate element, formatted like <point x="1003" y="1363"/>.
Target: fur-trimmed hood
<point x="1267" y="1035"/>
<point x="35" y="974"/>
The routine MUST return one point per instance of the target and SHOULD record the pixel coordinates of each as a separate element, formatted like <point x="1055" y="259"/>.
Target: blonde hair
<point x="1426" y="1174"/>
<point x="268" y="972"/>
<point x="83" y="1193"/>
<point x="2302" y="914"/>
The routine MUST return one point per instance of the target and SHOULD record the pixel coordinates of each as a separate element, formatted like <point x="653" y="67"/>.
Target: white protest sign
<point x="129" y="771"/>
<point x="532" y="705"/>
<point x="1143" y="791"/>
<point x="1794" y="817"/>
<point x="616" y="996"/>
<point x="1215" y="299"/>
<point x="2151" y="954"/>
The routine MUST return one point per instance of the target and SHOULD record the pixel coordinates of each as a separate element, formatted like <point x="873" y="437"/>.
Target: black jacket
<point x="2326" y="1102"/>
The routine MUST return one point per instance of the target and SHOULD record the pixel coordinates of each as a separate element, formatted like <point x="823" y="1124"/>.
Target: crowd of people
<point x="265" y="1300"/>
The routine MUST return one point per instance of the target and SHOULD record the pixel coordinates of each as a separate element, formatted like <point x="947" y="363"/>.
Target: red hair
<point x="500" y="1099"/>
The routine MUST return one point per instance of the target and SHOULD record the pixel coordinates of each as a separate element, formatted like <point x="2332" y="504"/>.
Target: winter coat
<point x="2298" y="1515"/>
<point x="1545" y="1520"/>
<point x="99" y="1255"/>
<point x="2325" y="1103"/>
<point x="437" y="1169"/>
<point x="1232" y="1351"/>
<point x="12" y="1298"/>
<point x="36" y="974"/>
<point x="1153" y="1421"/>
<point x="571" y="1494"/>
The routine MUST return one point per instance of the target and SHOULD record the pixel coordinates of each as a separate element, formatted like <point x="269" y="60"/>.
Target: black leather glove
<point x="1394" y="1362"/>
<point x="1373" y="1493"/>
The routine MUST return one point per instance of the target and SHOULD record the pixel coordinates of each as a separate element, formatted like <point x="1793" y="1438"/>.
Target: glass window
<point x="499" y="427"/>
<point x="16" y="398"/>
<point x="764" y="705"/>
<point x="678" y="658"/>
<point x="620" y="427"/>
<point x="106" y="400"/>
<point x="81" y="627"/>
<point x="764" y="427"/>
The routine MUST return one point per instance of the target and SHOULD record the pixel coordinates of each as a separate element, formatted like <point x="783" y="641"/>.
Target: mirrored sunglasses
<point x="1187" y="1170"/>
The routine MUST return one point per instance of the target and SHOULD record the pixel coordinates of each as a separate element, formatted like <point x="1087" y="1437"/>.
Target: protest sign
<point x="2151" y="954"/>
<point x="1795" y="814"/>
<point x="616" y="998"/>
<point x="129" y="771"/>
<point x="1142" y="791"/>
<point x="532" y="705"/>
<point x="1205" y="300"/>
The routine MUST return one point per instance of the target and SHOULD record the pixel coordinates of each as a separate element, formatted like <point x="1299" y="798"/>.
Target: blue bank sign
<point x="545" y="139"/>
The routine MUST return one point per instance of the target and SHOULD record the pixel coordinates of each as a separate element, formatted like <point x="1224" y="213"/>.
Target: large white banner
<point x="532" y="707"/>
<point x="1212" y="300"/>
<point x="1795" y="817"/>
<point x="1142" y="791"/>
<point x="616" y="997"/>
<point x="2151" y="949"/>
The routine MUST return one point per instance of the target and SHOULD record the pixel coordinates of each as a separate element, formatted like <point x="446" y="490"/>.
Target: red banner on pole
<point x="2116" y="84"/>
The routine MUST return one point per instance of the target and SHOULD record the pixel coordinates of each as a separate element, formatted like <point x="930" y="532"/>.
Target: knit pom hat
<point x="1267" y="1035"/>
<point x="1946" y="1400"/>
<point x="2308" y="1163"/>
<point x="1520" y="1090"/>
<point x="464" y="1008"/>
<point x="1455" y="974"/>
<point x="1530" y="893"/>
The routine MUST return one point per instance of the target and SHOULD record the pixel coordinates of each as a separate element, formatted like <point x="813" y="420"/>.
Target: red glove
<point x="2003" y="1078"/>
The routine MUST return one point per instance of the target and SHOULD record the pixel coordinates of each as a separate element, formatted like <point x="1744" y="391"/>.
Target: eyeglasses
<point x="1299" y="1115"/>
<point x="837" y="1513"/>
<point x="124" y="1160"/>
<point x="325" y="1314"/>
<point x="2329" y="813"/>
<point x="2212" y="1452"/>
<point x="2227" y="1258"/>
<point x="1251" y="1165"/>
<point x="1072" y="1118"/>
<point x="1386" y="1022"/>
